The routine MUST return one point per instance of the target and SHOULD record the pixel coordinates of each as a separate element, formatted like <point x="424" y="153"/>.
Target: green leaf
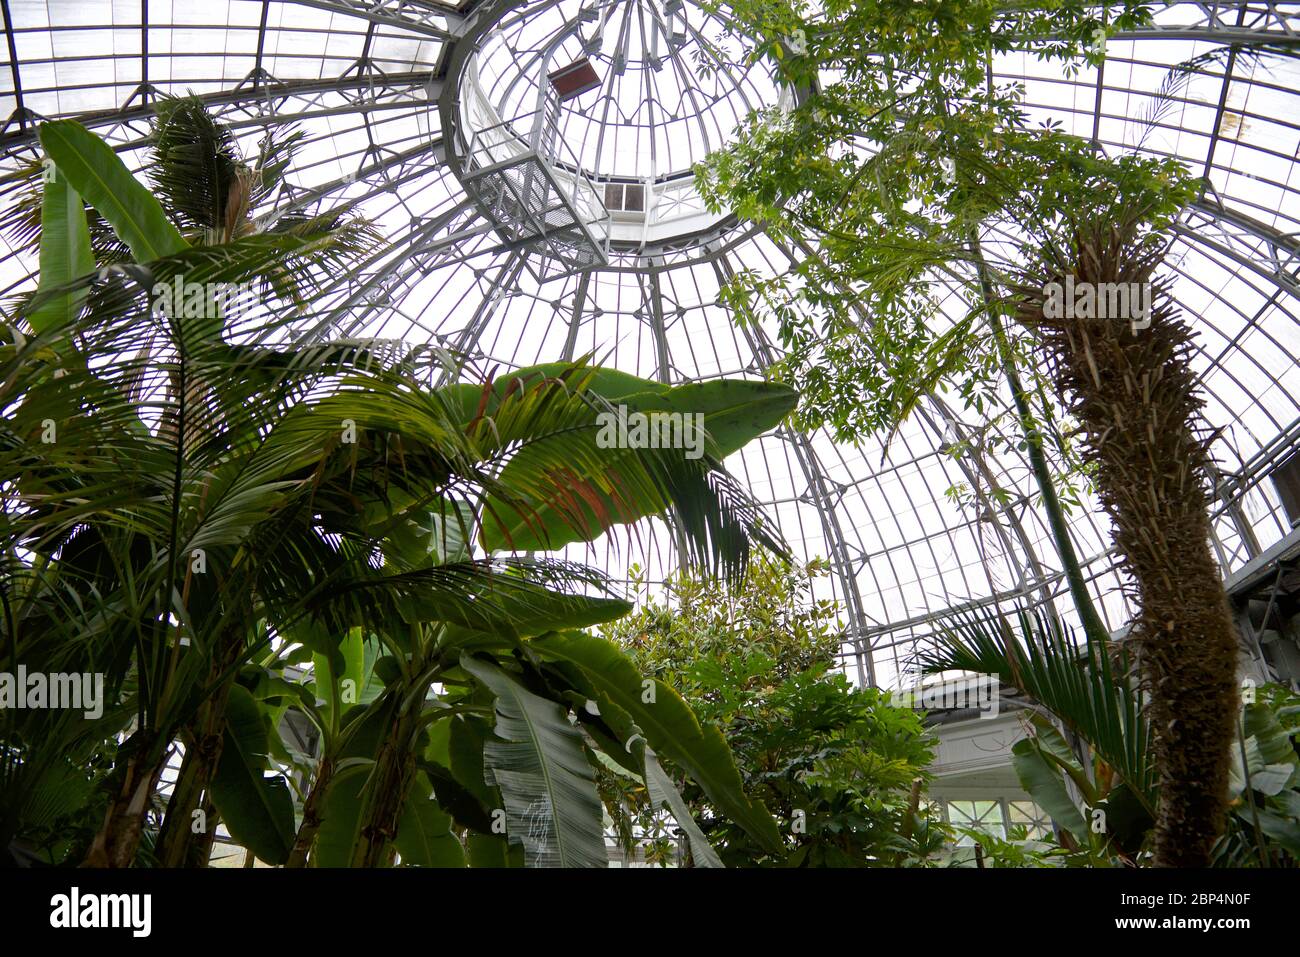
<point x="340" y="674"/>
<point x="424" y="837"/>
<point x="587" y="487"/>
<point x="256" y="809"/>
<point x="456" y="799"/>
<point x="1270" y="755"/>
<point x="493" y="850"/>
<point x="1284" y="830"/>
<point x="547" y="783"/>
<point x="466" y="738"/>
<point x="736" y="411"/>
<point x="1271" y="778"/>
<point x="668" y="724"/>
<point x="65" y="254"/>
<point x="504" y="597"/>
<point x="436" y="534"/>
<point x="664" y="794"/>
<point x="1056" y="749"/>
<point x="1274" y="741"/>
<point x="610" y="384"/>
<point x="1046" y="785"/>
<point x="96" y="173"/>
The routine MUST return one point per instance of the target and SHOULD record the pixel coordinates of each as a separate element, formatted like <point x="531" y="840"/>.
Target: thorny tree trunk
<point x="1135" y="398"/>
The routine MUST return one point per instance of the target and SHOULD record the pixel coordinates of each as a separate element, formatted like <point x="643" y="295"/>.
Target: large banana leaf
<point x="735" y="411"/>
<point x="257" y="810"/>
<point x="1270" y="760"/>
<point x="537" y="759"/>
<point x="493" y="850"/>
<point x="424" y="837"/>
<point x="1043" y="781"/>
<point x="65" y="254"/>
<point x="96" y="173"/>
<point x="471" y="401"/>
<point x="578" y="490"/>
<point x="668" y="724"/>
<point x="466" y="737"/>
<point x="344" y="661"/>
<point x="664" y="795"/>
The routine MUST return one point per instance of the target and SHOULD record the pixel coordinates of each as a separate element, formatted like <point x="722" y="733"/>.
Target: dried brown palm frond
<point x="1134" y="395"/>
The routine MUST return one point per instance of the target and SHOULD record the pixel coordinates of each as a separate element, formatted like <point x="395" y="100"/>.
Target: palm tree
<point x="208" y="497"/>
<point x="203" y="231"/>
<point x="1135" y="398"/>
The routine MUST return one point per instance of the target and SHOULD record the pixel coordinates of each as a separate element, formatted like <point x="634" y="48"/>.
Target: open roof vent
<point x="574" y="80"/>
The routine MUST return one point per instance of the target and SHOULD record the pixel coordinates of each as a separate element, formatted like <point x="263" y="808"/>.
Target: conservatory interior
<point x="655" y="433"/>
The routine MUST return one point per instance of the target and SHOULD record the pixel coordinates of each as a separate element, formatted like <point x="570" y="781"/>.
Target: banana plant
<point x="530" y="781"/>
<point x="200" y="452"/>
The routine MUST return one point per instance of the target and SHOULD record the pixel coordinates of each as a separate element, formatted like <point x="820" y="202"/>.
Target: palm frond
<point x="1090" y="688"/>
<point x="197" y="171"/>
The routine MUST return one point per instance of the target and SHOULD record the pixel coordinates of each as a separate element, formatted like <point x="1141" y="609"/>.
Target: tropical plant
<point x="912" y="170"/>
<point x="218" y="503"/>
<point x="105" y="360"/>
<point x="1087" y="759"/>
<point x="840" y="766"/>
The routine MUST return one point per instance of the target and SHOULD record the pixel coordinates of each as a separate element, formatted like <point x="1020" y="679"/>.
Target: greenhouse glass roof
<point x="413" y="109"/>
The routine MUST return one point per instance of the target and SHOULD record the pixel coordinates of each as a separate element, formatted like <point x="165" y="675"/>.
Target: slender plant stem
<point x="1083" y="603"/>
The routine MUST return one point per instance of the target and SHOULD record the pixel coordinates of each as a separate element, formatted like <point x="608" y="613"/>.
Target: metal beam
<point x="436" y="20"/>
<point x="254" y="92"/>
<point x="1211" y="33"/>
<point x="1277" y="274"/>
<point x="394" y="259"/>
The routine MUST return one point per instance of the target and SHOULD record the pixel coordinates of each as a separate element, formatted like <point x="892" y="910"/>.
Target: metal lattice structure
<point x="542" y="253"/>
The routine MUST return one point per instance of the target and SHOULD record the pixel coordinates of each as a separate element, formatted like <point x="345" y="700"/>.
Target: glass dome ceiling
<point x="385" y="91"/>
